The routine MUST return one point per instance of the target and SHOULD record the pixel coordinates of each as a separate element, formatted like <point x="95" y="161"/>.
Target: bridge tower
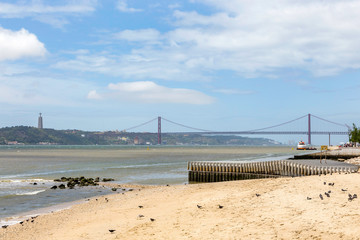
<point x="309" y="129"/>
<point x="159" y="130"/>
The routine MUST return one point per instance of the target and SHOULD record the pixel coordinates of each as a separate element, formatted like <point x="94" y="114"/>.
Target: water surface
<point x="22" y="166"/>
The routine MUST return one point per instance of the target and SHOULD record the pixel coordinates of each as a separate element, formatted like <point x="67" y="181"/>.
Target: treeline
<point x="33" y="136"/>
<point x="354" y="134"/>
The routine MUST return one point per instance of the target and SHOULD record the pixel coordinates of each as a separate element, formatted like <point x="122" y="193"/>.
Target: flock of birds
<point x="327" y="194"/>
<point x="140" y="216"/>
<point x="351" y="197"/>
<point x="32" y="219"/>
<point x="219" y="206"/>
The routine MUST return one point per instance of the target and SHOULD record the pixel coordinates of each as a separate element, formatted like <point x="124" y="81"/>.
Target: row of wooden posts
<point x="223" y="171"/>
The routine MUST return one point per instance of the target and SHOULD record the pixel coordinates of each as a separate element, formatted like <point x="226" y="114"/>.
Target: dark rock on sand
<point x="77" y="181"/>
<point x="108" y="179"/>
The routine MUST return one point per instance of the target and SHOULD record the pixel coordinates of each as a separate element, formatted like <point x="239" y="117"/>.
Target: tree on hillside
<point x="354" y="134"/>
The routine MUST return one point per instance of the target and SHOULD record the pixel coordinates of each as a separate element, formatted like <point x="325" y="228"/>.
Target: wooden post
<point x="282" y="168"/>
<point x="298" y="170"/>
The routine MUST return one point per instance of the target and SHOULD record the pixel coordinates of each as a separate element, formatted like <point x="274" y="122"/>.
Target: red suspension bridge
<point x="260" y="131"/>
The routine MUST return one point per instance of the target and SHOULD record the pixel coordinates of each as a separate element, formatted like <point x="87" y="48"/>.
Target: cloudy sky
<point x="210" y="64"/>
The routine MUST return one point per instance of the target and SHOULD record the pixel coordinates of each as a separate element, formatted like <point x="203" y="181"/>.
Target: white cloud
<point x="233" y="91"/>
<point x="150" y="92"/>
<point x="302" y="82"/>
<point x="31" y="87"/>
<point x="29" y="8"/>
<point x="141" y="64"/>
<point x="45" y="12"/>
<point x="141" y="35"/>
<point x="264" y="36"/>
<point x="123" y="7"/>
<point x="93" y="95"/>
<point x="174" y="6"/>
<point x="257" y="38"/>
<point x="19" y="44"/>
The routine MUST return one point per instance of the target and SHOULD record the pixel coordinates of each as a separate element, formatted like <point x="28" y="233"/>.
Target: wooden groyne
<point x="228" y="171"/>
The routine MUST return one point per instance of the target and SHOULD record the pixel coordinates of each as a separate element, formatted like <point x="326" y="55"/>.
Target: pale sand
<point x="282" y="211"/>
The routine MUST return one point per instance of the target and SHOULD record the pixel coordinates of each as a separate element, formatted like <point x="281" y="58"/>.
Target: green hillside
<point x="34" y="136"/>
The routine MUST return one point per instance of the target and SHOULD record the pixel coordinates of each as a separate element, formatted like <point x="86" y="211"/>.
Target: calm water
<point x="21" y="166"/>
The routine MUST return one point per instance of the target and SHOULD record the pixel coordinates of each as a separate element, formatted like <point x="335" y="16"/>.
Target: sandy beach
<point x="282" y="210"/>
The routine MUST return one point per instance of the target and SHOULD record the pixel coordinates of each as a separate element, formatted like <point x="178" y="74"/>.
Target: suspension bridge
<point x="309" y="131"/>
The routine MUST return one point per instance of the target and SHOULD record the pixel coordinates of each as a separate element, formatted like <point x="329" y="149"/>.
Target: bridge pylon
<point x="159" y="130"/>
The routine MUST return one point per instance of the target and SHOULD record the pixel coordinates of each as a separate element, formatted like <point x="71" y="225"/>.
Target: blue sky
<point x="211" y="64"/>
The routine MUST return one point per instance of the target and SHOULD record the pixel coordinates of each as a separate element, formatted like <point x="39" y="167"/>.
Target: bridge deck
<point x="225" y="171"/>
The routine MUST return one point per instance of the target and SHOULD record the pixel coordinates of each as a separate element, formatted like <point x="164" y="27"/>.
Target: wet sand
<point x="281" y="211"/>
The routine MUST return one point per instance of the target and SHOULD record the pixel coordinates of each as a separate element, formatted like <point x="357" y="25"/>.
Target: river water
<point x="22" y="166"/>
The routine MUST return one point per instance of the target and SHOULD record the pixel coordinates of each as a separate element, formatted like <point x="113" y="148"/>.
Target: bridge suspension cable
<point x="339" y="124"/>
<point x="140" y="125"/>
<point x="182" y="125"/>
<point x="278" y="125"/>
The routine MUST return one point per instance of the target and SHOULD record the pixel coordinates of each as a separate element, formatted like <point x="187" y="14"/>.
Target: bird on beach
<point x="220" y="206"/>
<point x="344" y="190"/>
<point x="308" y="198"/>
<point x="324" y="183"/>
<point x="328" y="195"/>
<point x="198" y="206"/>
<point x="152" y="219"/>
<point x="355" y="195"/>
<point x="4" y="226"/>
<point x="258" y="195"/>
<point x="112" y="230"/>
<point x="140" y="206"/>
<point x="321" y="197"/>
<point x="329" y="191"/>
